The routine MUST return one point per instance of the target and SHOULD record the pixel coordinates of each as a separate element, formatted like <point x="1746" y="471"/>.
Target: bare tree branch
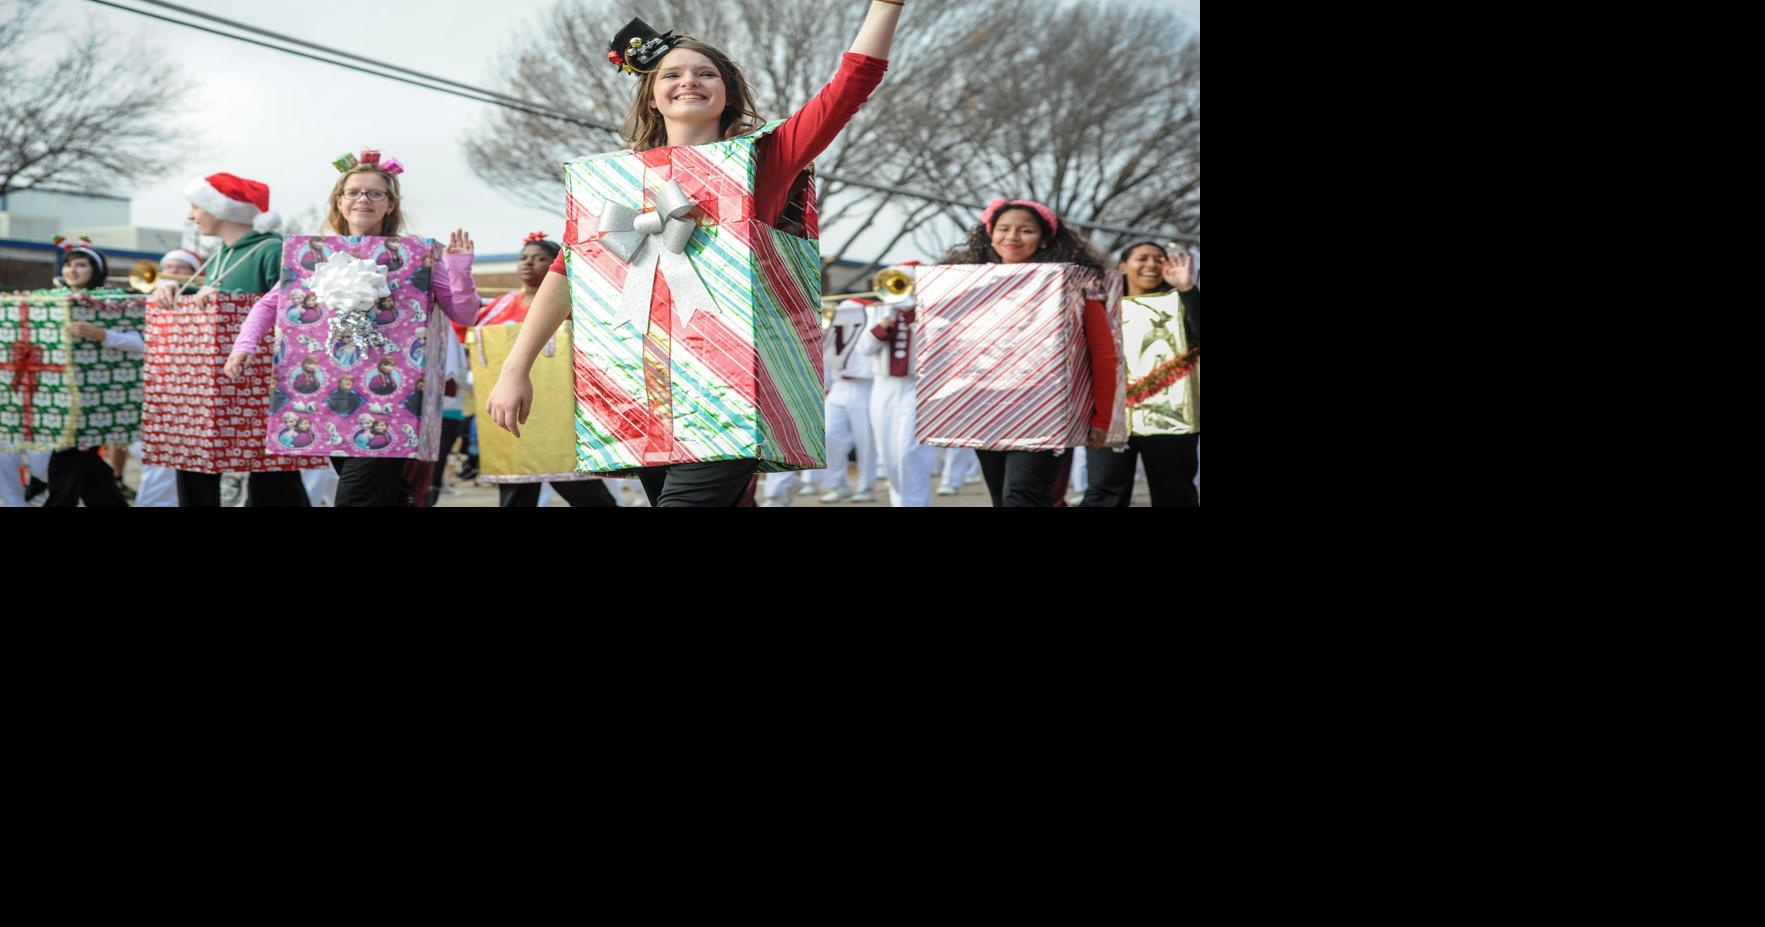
<point x="78" y="121"/>
<point x="984" y="98"/>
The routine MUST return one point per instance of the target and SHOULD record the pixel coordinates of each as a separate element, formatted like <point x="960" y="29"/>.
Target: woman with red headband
<point x="535" y="262"/>
<point x="537" y="254"/>
<point x="1028" y="232"/>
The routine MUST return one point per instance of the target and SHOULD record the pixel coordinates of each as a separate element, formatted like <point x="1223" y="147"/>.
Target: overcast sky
<point x="281" y="120"/>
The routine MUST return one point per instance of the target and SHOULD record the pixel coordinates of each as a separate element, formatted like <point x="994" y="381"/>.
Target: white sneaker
<point x="946" y="490"/>
<point x="838" y="495"/>
<point x="807" y="489"/>
<point x="777" y="503"/>
<point x="865" y="496"/>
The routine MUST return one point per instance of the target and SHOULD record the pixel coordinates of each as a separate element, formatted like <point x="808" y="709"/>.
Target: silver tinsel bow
<point x="350" y="287"/>
<point x="651" y="239"/>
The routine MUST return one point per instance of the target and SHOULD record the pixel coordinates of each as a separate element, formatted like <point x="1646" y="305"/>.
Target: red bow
<point x="27" y="358"/>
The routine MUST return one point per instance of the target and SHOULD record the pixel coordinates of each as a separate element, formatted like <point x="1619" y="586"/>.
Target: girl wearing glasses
<point x="366" y="201"/>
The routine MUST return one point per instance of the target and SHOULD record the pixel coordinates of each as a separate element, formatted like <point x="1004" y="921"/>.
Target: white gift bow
<point x="633" y="237"/>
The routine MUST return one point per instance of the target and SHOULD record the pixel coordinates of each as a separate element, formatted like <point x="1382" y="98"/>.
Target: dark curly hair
<point x="1064" y="247"/>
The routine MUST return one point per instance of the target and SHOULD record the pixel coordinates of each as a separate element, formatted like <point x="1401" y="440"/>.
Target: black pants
<point x="1170" y="472"/>
<point x="1022" y="479"/>
<point x="581" y="494"/>
<point x="76" y="475"/>
<point x="451" y="430"/>
<point x="715" y="485"/>
<point x="370" y="483"/>
<point x="263" y="491"/>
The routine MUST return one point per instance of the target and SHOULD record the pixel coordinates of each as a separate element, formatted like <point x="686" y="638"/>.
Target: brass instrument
<point x="145" y="275"/>
<point x="891" y="285"/>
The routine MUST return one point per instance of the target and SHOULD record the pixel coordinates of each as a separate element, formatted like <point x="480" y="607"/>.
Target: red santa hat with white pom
<point x="234" y="199"/>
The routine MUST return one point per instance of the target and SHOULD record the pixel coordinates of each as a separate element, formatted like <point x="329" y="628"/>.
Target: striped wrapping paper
<point x="738" y="382"/>
<point x="1003" y="364"/>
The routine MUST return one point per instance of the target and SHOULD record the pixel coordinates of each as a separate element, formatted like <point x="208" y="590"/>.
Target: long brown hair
<point x="391" y="225"/>
<point x="644" y="127"/>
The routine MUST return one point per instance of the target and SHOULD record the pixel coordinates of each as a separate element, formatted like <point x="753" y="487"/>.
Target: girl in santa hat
<point x="237" y="211"/>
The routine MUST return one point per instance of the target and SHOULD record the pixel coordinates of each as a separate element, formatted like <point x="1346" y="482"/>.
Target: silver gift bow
<point x="646" y="240"/>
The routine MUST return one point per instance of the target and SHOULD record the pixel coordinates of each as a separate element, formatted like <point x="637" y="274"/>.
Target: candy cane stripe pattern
<point x="1003" y="361"/>
<point x="726" y="363"/>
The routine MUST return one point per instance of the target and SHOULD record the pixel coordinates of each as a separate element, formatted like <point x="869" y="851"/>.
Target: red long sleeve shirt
<point x="786" y="152"/>
<point x="1103" y="362"/>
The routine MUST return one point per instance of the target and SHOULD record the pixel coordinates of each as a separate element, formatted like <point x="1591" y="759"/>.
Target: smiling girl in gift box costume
<point x="1161" y="341"/>
<point x="236" y="210"/>
<point x="693" y="276"/>
<point x="78" y="474"/>
<point x="366" y="201"/>
<point x="1024" y="232"/>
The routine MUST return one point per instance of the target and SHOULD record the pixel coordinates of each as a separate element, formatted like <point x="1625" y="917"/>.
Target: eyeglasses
<point x="372" y="196"/>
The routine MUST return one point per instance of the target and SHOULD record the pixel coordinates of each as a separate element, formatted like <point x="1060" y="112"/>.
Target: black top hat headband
<point x="637" y="47"/>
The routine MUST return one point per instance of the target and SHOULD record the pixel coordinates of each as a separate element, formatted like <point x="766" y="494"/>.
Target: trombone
<point x="891" y="285"/>
<point x="145" y="275"/>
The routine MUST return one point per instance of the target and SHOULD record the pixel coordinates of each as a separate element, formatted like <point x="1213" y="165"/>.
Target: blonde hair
<point x="391" y="225"/>
<point x="644" y="127"/>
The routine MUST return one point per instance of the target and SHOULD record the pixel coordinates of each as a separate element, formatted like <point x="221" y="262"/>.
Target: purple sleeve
<point x="458" y="299"/>
<point x="259" y="323"/>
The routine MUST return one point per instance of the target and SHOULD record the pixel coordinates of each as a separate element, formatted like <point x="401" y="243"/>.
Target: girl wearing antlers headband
<point x="78" y="474"/>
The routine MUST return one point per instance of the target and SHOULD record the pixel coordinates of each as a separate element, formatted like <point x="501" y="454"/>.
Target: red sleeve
<point x="1103" y="362"/>
<point x="801" y="138"/>
<point x="804" y="136"/>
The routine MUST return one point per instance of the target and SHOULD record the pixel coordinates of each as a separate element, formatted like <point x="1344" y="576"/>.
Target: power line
<point x="929" y="197"/>
<point x="562" y="114"/>
<point x="497" y="98"/>
<point x="528" y="108"/>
